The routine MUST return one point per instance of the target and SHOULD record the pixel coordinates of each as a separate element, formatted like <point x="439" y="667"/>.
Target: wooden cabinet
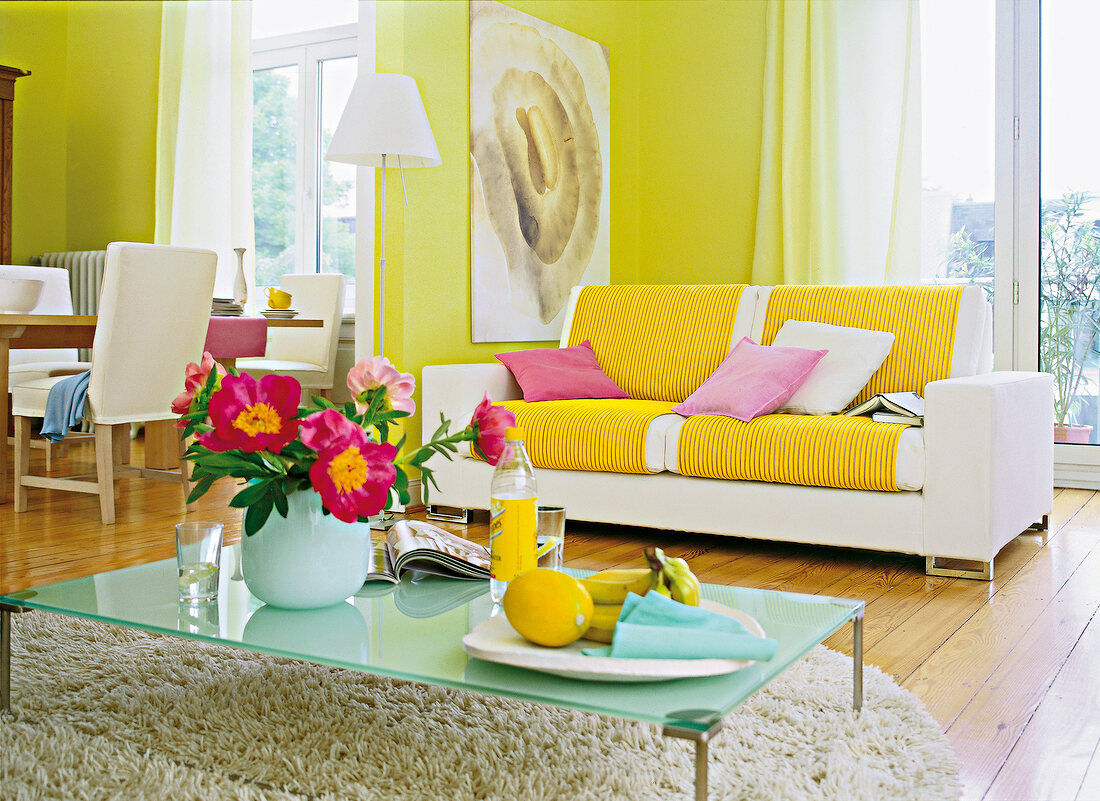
<point x="8" y="76"/>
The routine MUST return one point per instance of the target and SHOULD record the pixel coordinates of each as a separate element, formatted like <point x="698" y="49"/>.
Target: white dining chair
<point x="154" y="308"/>
<point x="28" y="364"/>
<point x="307" y="354"/>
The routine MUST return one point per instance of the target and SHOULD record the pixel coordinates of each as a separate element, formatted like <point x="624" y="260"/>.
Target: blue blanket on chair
<point x="65" y="406"/>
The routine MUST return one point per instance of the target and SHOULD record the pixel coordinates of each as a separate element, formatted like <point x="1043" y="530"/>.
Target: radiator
<point x="85" y="276"/>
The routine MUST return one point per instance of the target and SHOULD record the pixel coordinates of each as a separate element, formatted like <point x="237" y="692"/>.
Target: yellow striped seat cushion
<point x="834" y="451"/>
<point x="657" y="342"/>
<point x="592" y="434"/>
<point x="922" y="318"/>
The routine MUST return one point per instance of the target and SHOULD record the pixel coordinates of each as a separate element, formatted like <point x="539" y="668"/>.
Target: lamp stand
<point x="384" y="520"/>
<point x="382" y="271"/>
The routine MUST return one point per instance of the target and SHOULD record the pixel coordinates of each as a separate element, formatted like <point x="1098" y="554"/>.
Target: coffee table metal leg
<point x="701" y="739"/>
<point x="5" y="661"/>
<point x="5" y="654"/>
<point x="857" y="661"/>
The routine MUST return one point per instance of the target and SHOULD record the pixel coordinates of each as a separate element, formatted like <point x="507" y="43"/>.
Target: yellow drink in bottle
<point x="513" y="499"/>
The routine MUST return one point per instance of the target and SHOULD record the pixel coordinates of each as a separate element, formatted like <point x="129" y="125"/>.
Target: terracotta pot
<point x="1078" y="435"/>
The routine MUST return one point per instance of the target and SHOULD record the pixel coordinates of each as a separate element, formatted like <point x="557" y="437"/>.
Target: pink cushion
<point x="752" y="380"/>
<point x="236" y="337"/>
<point x="560" y="374"/>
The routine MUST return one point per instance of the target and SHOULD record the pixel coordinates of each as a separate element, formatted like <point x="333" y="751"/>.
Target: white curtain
<point x="839" y="197"/>
<point x="204" y="132"/>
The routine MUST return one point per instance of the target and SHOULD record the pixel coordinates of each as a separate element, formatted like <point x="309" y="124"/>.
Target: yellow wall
<point x="33" y="36"/>
<point x="114" y="55"/>
<point x="701" y="84"/>
<point x="85" y="122"/>
<point x="686" y="110"/>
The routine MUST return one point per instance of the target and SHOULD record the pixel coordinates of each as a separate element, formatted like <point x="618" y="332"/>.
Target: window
<point x="304" y="213"/>
<point x="957" y="142"/>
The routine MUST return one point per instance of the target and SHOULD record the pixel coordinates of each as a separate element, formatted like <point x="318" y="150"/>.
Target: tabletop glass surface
<point x="414" y="631"/>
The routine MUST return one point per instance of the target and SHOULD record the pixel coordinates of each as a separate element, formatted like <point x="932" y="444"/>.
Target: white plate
<point x="279" y="313"/>
<point x="495" y="640"/>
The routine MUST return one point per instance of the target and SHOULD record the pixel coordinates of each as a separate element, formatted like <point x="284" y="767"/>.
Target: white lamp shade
<point x="384" y="117"/>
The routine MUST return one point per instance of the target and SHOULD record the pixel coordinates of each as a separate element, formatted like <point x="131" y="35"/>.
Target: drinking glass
<point x="198" y="554"/>
<point x="550" y="536"/>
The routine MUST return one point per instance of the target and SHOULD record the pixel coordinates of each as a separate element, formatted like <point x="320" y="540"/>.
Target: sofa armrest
<point x="989" y="468"/>
<point x="455" y="389"/>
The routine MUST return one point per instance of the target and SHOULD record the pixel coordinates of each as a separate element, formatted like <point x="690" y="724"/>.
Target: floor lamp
<point x="384" y="117"/>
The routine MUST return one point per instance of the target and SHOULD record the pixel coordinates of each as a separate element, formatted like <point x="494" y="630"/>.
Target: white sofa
<point x="976" y="475"/>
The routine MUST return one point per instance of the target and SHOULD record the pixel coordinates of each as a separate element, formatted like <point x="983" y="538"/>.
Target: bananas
<point x="612" y="586"/>
<point x="668" y="575"/>
<point x="674" y="573"/>
<point x="609" y="589"/>
<point x="602" y="624"/>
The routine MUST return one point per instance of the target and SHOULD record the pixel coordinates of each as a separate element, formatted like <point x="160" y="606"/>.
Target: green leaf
<point x="279" y="496"/>
<point x="200" y="488"/>
<point x="257" y="515"/>
<point x="222" y="460"/>
<point x="251" y="494"/>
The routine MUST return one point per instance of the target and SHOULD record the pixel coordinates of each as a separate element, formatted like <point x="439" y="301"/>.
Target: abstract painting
<point x="540" y="108"/>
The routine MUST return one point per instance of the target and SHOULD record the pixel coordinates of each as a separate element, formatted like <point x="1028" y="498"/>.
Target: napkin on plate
<point x="656" y="627"/>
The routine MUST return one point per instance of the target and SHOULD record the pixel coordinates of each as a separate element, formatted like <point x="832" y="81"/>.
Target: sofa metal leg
<point x="457" y="516"/>
<point x="982" y="573"/>
<point x="1042" y="525"/>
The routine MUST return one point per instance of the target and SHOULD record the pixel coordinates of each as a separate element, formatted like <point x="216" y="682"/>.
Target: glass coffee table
<point x="414" y="632"/>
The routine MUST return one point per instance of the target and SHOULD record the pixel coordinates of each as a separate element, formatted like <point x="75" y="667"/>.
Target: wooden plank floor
<point x="1008" y="668"/>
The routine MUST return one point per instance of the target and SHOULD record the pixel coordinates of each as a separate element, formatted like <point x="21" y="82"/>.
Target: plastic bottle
<point x="513" y="499"/>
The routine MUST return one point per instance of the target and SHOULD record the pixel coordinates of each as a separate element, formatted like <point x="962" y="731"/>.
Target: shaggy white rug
<point x="107" y="712"/>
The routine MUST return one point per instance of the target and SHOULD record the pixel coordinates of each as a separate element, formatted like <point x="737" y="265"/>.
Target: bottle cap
<point x="513" y="432"/>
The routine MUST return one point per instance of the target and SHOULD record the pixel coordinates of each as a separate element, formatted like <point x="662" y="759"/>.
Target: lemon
<point x="548" y="607"/>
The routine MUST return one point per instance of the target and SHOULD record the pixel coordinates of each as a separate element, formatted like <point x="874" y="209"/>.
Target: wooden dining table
<point x="62" y="331"/>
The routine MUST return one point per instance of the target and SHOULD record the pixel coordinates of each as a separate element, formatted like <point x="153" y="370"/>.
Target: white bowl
<point x="19" y="295"/>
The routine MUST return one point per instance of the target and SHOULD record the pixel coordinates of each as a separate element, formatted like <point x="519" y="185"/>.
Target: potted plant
<point x="312" y="477"/>
<point x="1069" y="301"/>
<point x="1069" y="307"/>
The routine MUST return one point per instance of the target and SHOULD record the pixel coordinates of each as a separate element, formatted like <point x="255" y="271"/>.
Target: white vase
<point x="307" y="559"/>
<point x="240" y="283"/>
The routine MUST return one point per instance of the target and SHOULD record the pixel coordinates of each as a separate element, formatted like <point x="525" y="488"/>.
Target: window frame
<point x="306" y="50"/>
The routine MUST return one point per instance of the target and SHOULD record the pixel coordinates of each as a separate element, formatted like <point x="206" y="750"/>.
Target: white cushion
<point x="855" y="354"/>
<point x="277" y="366"/>
<point x="28" y="398"/>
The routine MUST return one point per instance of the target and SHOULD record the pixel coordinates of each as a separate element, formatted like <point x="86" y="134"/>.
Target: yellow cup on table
<point x="277" y="298"/>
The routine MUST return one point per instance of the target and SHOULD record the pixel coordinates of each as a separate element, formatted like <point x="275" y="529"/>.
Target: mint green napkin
<point x="656" y="627"/>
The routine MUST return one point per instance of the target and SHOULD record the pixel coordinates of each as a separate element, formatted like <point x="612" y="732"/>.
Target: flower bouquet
<point x="255" y="431"/>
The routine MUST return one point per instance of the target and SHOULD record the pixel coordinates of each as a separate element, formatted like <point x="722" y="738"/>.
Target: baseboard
<point x="415" y="503"/>
<point x="1078" y="476"/>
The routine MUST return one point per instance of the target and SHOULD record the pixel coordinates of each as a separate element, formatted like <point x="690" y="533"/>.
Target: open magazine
<point x="892" y="407"/>
<point x="416" y="545"/>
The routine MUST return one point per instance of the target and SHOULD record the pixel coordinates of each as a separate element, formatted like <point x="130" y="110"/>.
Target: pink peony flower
<point x="254" y="416"/>
<point x="374" y="372"/>
<point x="352" y="474"/>
<point x="194" y="380"/>
<point x="491" y="422"/>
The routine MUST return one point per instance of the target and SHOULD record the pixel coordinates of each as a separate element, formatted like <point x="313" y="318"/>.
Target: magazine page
<point x="896" y="402"/>
<point x="381" y="563"/>
<point x="416" y="545"/>
<point x="429" y="595"/>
